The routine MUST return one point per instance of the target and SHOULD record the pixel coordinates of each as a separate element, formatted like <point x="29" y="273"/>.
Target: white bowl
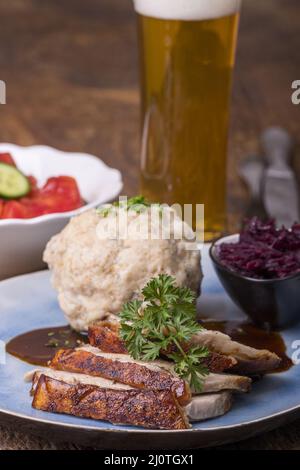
<point x="22" y="242"/>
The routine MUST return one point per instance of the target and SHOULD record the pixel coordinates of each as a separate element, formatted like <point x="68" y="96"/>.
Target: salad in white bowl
<point x="41" y="188"/>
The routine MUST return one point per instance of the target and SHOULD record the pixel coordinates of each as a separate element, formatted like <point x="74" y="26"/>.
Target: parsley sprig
<point x="164" y="321"/>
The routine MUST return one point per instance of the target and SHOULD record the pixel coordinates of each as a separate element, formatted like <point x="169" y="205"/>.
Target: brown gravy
<point x="39" y="346"/>
<point x="248" y="334"/>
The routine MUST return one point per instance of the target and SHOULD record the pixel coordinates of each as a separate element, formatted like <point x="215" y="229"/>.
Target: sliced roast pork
<point x="219" y="382"/>
<point x="225" y="353"/>
<point x="101" y="381"/>
<point x="57" y="391"/>
<point x="72" y="379"/>
<point x="213" y="383"/>
<point x="105" y="336"/>
<point x="154" y="409"/>
<point x="122" y="368"/>
<point x="209" y="406"/>
<point x="249" y="360"/>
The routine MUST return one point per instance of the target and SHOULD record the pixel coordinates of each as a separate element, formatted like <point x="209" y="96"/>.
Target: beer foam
<point x="187" y="9"/>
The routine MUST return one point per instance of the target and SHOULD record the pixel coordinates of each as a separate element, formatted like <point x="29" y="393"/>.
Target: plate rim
<point x="147" y="431"/>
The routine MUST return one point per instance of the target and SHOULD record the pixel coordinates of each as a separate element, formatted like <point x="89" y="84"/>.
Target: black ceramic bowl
<point x="270" y="303"/>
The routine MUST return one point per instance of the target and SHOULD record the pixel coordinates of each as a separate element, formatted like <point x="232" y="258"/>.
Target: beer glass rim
<point x="187" y="9"/>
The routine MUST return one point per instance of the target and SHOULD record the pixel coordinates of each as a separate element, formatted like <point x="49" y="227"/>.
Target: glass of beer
<point x="187" y="53"/>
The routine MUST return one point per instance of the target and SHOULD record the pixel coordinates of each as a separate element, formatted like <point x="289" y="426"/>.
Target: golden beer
<point x="186" y="75"/>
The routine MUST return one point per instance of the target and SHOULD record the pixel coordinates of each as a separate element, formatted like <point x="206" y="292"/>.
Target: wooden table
<point x="71" y="75"/>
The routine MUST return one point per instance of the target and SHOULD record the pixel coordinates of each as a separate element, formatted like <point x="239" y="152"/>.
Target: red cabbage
<point x="263" y="251"/>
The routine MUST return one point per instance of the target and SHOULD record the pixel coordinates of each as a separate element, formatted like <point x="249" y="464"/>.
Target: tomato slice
<point x="62" y="186"/>
<point x="33" y="185"/>
<point x="33" y="207"/>
<point x="7" y="158"/>
<point x="61" y="194"/>
<point x="15" y="210"/>
<point x="1" y="207"/>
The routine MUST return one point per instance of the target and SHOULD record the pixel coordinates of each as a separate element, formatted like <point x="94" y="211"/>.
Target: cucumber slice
<point x="13" y="184"/>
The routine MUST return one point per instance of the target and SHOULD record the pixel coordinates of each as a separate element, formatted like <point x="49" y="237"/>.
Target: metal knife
<point x="280" y="193"/>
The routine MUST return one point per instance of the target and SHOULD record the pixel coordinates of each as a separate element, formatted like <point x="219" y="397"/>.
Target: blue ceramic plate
<point x="28" y="302"/>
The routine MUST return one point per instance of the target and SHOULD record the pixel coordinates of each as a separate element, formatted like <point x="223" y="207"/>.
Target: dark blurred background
<point x="72" y="80"/>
